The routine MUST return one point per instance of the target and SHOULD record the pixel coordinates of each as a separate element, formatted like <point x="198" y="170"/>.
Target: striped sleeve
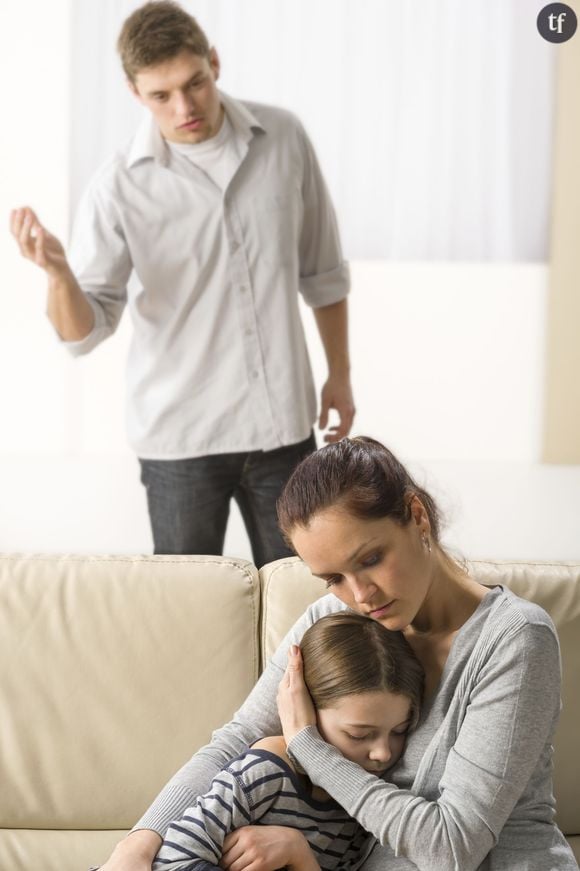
<point x="196" y="840"/>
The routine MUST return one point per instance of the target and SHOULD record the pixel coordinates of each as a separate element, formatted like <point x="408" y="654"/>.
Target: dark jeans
<point x="189" y="500"/>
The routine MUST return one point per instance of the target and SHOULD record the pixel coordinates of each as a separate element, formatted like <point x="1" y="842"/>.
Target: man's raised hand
<point x="36" y="243"/>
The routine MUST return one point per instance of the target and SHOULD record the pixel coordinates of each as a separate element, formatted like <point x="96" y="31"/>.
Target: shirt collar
<point x="148" y="143"/>
<point x="242" y="120"/>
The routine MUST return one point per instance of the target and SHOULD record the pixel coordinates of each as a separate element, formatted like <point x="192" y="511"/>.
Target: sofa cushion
<point x="114" y="670"/>
<point x="288" y="588"/>
<point x="55" y="850"/>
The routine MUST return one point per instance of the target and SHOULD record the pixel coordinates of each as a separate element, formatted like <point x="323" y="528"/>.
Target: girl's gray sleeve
<point x="257" y="718"/>
<point x="510" y="718"/>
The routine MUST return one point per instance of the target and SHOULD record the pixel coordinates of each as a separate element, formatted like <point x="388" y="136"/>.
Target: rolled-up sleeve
<point x="101" y="263"/>
<point x="324" y="274"/>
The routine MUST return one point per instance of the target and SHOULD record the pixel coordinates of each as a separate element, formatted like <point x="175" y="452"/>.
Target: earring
<point x="426" y="542"/>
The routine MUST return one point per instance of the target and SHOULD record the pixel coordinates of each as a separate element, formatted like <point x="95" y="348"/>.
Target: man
<point x="220" y="210"/>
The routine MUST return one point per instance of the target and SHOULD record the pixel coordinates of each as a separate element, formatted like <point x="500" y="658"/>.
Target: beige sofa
<point x="115" y="669"/>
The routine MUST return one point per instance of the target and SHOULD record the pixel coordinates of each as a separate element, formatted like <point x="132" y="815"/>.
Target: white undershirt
<point x="218" y="157"/>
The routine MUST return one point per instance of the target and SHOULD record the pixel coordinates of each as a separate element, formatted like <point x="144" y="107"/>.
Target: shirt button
<point x="243" y="288"/>
<point x="255" y="374"/>
<point x="247" y="332"/>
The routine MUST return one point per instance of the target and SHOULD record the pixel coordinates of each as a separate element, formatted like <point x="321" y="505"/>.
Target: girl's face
<point x="368" y="728"/>
<point x="377" y="567"/>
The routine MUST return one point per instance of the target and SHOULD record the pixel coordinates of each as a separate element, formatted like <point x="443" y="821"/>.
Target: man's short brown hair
<point x="156" y="32"/>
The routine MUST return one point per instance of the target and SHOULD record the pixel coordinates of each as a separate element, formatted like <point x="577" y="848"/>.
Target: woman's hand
<point x="135" y="852"/>
<point x="266" y="848"/>
<point x="294" y="702"/>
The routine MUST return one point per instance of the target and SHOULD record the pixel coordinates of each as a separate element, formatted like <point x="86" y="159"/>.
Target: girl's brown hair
<point x="345" y="654"/>
<point x="358" y="474"/>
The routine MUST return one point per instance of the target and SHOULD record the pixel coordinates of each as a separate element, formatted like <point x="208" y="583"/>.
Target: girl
<point x="366" y="685"/>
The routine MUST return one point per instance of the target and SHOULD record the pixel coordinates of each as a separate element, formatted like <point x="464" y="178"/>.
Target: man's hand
<point x="337" y="394"/>
<point x="67" y="307"/>
<point x="36" y="243"/>
<point x="332" y="323"/>
<point x="266" y="848"/>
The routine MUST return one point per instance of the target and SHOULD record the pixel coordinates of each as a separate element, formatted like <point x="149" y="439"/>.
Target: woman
<point x="473" y="789"/>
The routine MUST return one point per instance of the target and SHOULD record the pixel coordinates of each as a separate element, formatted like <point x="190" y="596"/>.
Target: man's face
<point x="182" y="95"/>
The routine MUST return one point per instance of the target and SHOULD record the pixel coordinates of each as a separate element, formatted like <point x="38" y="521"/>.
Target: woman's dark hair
<point x="346" y="654"/>
<point x="361" y="476"/>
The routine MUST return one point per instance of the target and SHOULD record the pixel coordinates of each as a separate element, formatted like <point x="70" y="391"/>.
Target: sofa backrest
<point x="113" y="670"/>
<point x="288" y="588"/>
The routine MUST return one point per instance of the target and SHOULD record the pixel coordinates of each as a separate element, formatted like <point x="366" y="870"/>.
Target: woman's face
<point x="368" y="728"/>
<point x="377" y="567"/>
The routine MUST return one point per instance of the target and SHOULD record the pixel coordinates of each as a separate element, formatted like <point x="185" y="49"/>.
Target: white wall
<point x="35" y="380"/>
<point x="448" y="358"/>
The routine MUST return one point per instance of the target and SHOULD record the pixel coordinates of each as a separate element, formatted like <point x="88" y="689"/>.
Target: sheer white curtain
<point x="432" y="118"/>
